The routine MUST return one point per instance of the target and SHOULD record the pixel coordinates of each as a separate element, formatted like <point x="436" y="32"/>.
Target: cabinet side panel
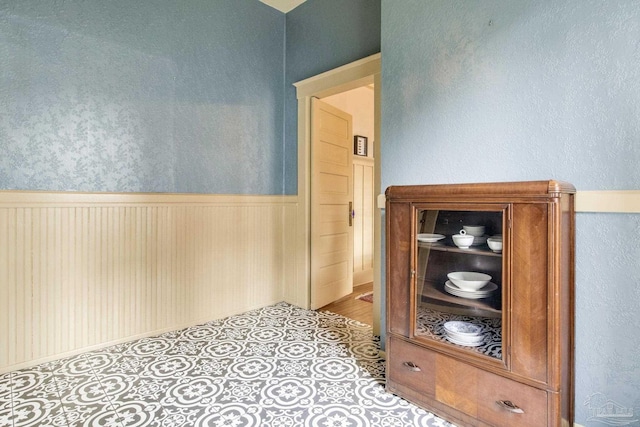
<point x="566" y="307"/>
<point x="398" y="277"/>
<point x="529" y="290"/>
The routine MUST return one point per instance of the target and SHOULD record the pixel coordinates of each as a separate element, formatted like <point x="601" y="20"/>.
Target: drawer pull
<point x="510" y="406"/>
<point x="412" y="366"/>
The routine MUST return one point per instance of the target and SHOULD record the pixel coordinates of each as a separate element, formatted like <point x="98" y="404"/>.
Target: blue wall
<point x="323" y="35"/>
<point x="127" y="96"/>
<point x="172" y="96"/>
<point x="523" y="90"/>
<point x="164" y="96"/>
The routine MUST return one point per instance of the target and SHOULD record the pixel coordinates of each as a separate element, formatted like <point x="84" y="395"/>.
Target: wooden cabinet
<point x="500" y="355"/>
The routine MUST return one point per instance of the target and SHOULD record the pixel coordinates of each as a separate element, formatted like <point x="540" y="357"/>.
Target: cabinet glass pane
<point x="463" y="314"/>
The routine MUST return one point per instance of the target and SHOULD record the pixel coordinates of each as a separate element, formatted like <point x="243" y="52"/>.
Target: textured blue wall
<point x="127" y="96"/>
<point x="523" y="90"/>
<point x="164" y="96"/>
<point x="323" y="35"/>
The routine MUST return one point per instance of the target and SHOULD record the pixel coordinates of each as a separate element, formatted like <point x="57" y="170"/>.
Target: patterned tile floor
<point x="276" y="366"/>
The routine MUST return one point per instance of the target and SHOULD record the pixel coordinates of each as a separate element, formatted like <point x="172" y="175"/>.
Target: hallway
<point x="352" y="307"/>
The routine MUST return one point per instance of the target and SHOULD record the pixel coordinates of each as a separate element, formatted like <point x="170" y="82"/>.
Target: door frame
<point x="350" y="76"/>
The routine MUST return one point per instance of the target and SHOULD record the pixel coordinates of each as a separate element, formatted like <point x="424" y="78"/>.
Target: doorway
<point x="355" y="75"/>
<point x="359" y="103"/>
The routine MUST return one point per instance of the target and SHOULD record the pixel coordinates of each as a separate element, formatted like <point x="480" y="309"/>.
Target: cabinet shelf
<point x="473" y="250"/>
<point x="435" y="295"/>
<point x="430" y="324"/>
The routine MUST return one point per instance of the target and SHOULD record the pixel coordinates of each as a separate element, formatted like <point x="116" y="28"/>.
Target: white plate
<point x="429" y="238"/>
<point x="464" y="338"/>
<point x="484" y="292"/>
<point x="466" y="344"/>
<point x="466" y="296"/>
<point x="486" y="289"/>
<point x="462" y="328"/>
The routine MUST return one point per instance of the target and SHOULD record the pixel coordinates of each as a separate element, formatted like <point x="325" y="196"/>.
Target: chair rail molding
<point x="612" y="201"/>
<point x="626" y="201"/>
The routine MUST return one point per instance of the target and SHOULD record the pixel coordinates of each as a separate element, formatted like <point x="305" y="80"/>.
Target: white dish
<point x="479" y="294"/>
<point x="464" y="343"/>
<point x="429" y="238"/>
<point x="463" y="338"/>
<point x="469" y="280"/>
<point x="474" y="230"/>
<point x="495" y="244"/>
<point x="479" y="240"/>
<point x="463" y="328"/>
<point x="462" y="240"/>
<point x="487" y="289"/>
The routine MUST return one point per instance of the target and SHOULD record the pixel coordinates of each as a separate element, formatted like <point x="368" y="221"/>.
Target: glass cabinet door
<point x="458" y="266"/>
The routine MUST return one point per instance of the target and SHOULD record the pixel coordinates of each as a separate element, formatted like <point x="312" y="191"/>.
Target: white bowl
<point x="474" y="230"/>
<point x="495" y="244"/>
<point x="465" y="339"/>
<point x="463" y="241"/>
<point x="469" y="280"/>
<point x="461" y="328"/>
<point x="465" y="343"/>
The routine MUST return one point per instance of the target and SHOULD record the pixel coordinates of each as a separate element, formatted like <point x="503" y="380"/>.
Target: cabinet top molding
<point x="549" y="188"/>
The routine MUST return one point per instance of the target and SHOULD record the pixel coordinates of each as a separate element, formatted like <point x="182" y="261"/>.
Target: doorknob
<point x="351" y="214"/>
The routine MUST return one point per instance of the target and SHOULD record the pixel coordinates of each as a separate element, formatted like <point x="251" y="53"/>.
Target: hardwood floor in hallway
<point x="353" y="308"/>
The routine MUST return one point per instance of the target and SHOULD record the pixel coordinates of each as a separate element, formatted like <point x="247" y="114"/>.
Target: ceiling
<point x="283" y="5"/>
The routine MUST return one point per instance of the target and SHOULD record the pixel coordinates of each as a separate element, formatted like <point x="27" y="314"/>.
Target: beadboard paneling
<point x="81" y="271"/>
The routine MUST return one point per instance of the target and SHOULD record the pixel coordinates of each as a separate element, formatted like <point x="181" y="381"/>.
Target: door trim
<point x="350" y="76"/>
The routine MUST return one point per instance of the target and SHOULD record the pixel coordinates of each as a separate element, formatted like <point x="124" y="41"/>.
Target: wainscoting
<point x="81" y="271"/>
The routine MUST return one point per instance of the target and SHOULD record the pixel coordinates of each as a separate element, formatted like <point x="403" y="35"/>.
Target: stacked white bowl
<point x="477" y="231"/>
<point x="469" y="284"/>
<point x="463" y="333"/>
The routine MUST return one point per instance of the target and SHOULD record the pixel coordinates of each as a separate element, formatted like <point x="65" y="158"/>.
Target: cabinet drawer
<point x="412" y="367"/>
<point x="477" y="393"/>
<point x="493" y="389"/>
<point x="460" y="392"/>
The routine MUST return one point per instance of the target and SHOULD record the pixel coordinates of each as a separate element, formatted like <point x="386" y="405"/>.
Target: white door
<point x="331" y="204"/>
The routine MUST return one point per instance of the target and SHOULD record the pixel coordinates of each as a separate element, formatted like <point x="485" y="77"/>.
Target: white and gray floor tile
<point x="279" y="366"/>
